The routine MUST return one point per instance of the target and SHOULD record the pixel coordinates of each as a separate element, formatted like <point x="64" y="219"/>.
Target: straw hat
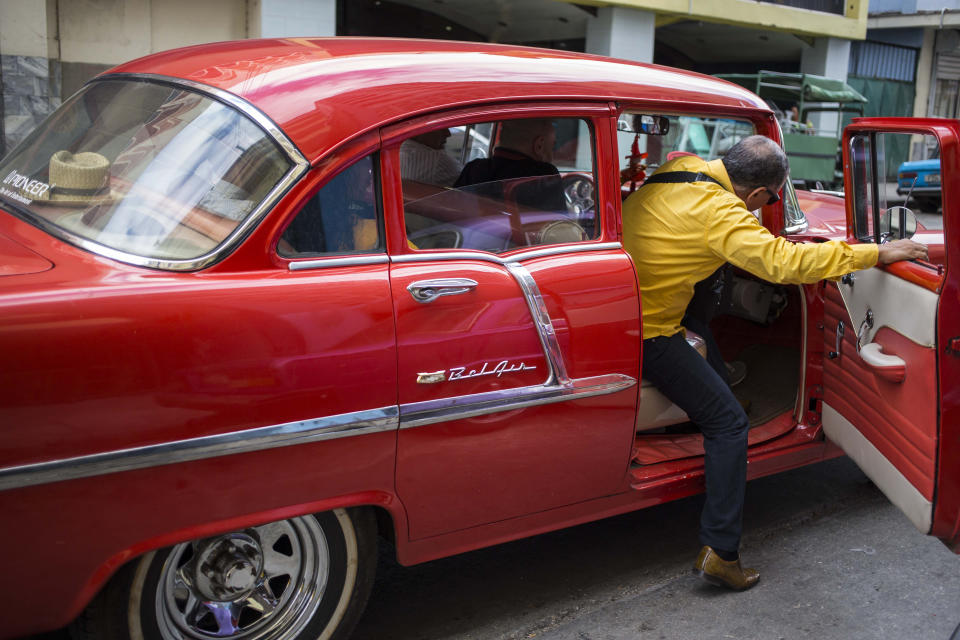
<point x="78" y="178"/>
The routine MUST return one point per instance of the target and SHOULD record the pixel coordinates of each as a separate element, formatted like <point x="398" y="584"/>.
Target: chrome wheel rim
<point x="261" y="583"/>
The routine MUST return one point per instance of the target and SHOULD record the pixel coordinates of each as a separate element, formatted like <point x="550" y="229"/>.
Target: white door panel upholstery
<point x="904" y="307"/>
<point x="878" y="468"/>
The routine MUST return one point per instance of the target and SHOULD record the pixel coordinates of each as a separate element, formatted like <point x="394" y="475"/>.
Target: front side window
<point x="500" y="185"/>
<point x="150" y="170"/>
<point x="896" y="189"/>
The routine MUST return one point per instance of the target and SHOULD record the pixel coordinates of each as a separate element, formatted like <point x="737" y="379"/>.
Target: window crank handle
<point x="836" y="352"/>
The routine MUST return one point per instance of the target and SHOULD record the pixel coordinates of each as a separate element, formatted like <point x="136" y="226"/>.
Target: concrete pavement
<point x="838" y="562"/>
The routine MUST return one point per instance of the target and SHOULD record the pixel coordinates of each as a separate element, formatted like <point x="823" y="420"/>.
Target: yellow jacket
<point x="678" y="234"/>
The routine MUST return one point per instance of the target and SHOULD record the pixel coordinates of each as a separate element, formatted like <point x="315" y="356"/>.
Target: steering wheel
<point x="578" y="194"/>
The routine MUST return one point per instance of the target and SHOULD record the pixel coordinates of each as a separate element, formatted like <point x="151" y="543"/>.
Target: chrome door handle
<point x="429" y="290"/>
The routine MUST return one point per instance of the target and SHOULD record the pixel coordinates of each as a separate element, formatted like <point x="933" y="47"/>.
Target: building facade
<point x="49" y="48"/>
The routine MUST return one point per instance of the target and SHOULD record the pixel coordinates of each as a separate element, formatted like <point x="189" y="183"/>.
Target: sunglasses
<point x="774" y="196"/>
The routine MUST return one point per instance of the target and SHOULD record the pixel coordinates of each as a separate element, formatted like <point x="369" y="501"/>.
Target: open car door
<point x="891" y="334"/>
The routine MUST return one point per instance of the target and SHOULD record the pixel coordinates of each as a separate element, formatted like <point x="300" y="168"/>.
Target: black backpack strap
<point x="674" y="177"/>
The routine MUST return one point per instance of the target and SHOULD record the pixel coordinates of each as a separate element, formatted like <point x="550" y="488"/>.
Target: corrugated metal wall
<point x="885" y="74"/>
<point x="948" y="66"/>
<point x="883" y="61"/>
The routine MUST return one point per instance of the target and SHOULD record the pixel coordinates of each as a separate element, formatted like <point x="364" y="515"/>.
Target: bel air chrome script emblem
<point x="504" y="366"/>
<point x="460" y="373"/>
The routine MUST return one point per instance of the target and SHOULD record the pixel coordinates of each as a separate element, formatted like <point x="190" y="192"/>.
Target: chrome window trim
<point x="446" y="256"/>
<point x="321" y="263"/>
<point x="556" y="251"/>
<point x="270" y="437"/>
<point x="489" y="257"/>
<point x="300" y="166"/>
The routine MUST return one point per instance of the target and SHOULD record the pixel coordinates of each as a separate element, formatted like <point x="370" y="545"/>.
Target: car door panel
<point x="533" y="402"/>
<point x="889" y="373"/>
<point x="896" y="421"/>
<point x="466" y="334"/>
<point x="586" y="306"/>
<point x="563" y="448"/>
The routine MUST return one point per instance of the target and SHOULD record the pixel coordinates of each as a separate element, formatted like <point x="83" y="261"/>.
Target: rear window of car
<point x="147" y="169"/>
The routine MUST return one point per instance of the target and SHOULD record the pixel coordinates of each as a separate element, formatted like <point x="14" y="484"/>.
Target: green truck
<point x="813" y="153"/>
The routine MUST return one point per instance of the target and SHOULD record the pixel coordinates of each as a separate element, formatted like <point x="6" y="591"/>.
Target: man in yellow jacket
<point x="690" y="218"/>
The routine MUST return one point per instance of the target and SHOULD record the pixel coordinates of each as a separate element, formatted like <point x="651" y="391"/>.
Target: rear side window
<point x="500" y="185"/>
<point x="341" y="218"/>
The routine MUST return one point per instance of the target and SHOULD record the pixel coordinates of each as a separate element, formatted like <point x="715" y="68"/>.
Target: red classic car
<point x="246" y="327"/>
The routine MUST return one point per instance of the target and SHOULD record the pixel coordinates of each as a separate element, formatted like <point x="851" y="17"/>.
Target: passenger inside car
<point x="341" y="217"/>
<point x="511" y="194"/>
<point x="424" y="158"/>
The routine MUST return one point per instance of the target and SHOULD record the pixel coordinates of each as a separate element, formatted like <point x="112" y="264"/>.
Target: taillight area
<point x="907" y="174"/>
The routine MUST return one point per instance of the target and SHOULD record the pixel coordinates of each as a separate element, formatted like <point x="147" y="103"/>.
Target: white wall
<point x="120" y="30"/>
<point x="622" y="33"/>
<point x="291" y="18"/>
<point x="24" y="28"/>
<point x="209" y="21"/>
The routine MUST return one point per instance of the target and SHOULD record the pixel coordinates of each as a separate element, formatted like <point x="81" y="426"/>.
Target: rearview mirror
<point x="639" y="123"/>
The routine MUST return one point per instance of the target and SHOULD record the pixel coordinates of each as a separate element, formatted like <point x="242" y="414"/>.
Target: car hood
<point x="16" y="259"/>
<point x="826" y="214"/>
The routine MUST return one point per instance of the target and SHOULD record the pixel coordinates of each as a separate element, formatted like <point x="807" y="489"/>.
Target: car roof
<point x="323" y="91"/>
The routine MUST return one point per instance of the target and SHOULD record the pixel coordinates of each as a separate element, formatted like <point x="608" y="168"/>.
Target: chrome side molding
<point x="419" y="414"/>
<point x="558" y="387"/>
<point x="281" y="435"/>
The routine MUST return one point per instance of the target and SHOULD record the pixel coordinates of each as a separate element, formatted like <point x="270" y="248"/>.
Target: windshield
<point x="151" y="170"/>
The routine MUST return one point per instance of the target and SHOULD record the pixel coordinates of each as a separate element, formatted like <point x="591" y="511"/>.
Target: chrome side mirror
<point x="897" y="222"/>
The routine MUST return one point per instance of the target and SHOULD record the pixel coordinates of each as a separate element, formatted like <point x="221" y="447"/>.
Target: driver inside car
<point x="525" y="150"/>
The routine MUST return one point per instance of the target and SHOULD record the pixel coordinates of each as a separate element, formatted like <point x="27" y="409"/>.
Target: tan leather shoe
<point x="723" y="573"/>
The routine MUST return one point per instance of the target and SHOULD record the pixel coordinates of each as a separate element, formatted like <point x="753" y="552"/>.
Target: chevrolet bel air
<point x="247" y="327"/>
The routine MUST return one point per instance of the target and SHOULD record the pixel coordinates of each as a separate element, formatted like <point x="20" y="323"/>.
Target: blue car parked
<point x="920" y="179"/>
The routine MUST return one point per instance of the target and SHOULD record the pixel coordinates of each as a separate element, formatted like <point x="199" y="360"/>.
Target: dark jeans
<point x="708" y="301"/>
<point x="683" y="376"/>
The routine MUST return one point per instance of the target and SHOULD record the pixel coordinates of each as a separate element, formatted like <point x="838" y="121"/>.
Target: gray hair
<point x="519" y="134"/>
<point x="756" y="161"/>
